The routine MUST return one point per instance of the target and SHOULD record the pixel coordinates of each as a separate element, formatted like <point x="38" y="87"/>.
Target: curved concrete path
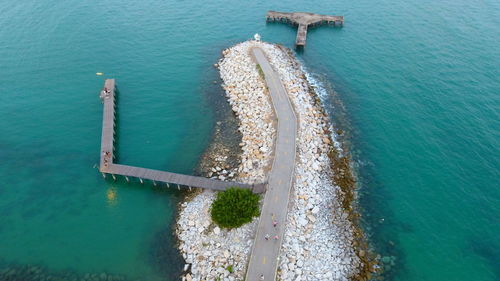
<point x="265" y="253"/>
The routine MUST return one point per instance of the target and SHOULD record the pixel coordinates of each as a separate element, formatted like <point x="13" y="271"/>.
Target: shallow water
<point x="419" y="82"/>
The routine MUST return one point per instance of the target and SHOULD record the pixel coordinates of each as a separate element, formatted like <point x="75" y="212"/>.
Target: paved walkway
<point x="265" y="253"/>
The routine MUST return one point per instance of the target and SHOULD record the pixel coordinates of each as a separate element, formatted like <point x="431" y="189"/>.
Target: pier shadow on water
<point x="116" y="153"/>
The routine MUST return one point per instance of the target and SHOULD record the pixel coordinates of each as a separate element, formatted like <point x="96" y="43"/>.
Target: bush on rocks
<point x="234" y="207"/>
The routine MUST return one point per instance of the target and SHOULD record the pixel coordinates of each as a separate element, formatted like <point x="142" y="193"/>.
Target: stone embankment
<point x="319" y="238"/>
<point x="318" y="242"/>
<point x="213" y="252"/>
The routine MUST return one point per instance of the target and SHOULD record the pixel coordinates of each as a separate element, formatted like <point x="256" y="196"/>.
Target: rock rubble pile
<point x="214" y="252"/>
<point x="318" y="241"/>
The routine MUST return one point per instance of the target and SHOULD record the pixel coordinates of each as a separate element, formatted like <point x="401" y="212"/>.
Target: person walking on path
<point x="266" y="237"/>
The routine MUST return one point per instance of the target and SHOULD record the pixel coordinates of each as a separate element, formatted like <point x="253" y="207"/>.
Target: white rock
<point x="216" y="230"/>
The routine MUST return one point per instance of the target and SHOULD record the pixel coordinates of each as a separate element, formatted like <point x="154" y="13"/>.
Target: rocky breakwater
<point x="322" y="239"/>
<point x="211" y="252"/>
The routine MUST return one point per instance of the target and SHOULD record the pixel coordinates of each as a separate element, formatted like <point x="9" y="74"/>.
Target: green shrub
<point x="230" y="268"/>
<point x="234" y="207"/>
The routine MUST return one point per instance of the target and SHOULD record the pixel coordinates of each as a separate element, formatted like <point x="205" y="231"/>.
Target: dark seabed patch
<point x="225" y="134"/>
<point x="488" y="249"/>
<point x="166" y="259"/>
<point x="16" y="272"/>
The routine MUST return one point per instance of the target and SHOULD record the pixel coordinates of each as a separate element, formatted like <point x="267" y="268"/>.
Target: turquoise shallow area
<point x="418" y="79"/>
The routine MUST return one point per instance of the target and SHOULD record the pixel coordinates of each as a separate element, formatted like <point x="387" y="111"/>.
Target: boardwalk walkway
<point x="303" y="20"/>
<point x="107" y="165"/>
<point x="265" y="253"/>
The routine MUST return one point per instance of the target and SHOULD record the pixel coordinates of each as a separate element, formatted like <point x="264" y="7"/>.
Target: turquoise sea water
<point x="419" y="83"/>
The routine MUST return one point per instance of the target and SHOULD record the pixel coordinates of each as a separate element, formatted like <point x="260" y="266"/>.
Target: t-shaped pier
<point x="303" y="20"/>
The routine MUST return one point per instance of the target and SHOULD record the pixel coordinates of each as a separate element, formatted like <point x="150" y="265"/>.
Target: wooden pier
<point x="303" y="21"/>
<point x="107" y="165"/>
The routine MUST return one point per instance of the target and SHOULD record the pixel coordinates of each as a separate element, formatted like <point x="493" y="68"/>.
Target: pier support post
<point x="168" y="185"/>
<point x="114" y="177"/>
<point x="141" y="180"/>
<point x="178" y="187"/>
<point x="189" y="188"/>
<point x="154" y="183"/>
<point x="104" y="175"/>
<point x="126" y="178"/>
